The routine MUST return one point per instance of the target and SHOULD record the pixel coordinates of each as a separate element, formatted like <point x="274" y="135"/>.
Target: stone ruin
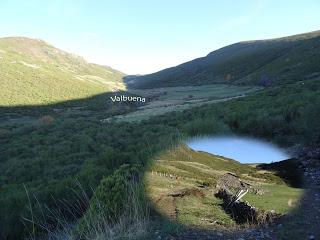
<point x="232" y="184"/>
<point x="231" y="189"/>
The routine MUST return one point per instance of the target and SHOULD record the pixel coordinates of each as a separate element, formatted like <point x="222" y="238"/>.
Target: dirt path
<point x="168" y="206"/>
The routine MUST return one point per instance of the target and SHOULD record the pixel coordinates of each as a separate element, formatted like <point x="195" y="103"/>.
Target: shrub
<point x="109" y="205"/>
<point x="46" y="120"/>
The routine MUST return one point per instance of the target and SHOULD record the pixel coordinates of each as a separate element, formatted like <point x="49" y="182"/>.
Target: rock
<point x="231" y="183"/>
<point x="311" y="237"/>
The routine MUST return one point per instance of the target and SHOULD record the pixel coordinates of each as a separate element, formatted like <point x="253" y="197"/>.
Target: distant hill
<point x="34" y="72"/>
<point x="262" y="62"/>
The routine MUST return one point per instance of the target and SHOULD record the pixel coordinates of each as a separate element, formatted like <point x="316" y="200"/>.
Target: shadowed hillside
<point x="262" y="62"/>
<point x="48" y="149"/>
<point x="34" y="72"/>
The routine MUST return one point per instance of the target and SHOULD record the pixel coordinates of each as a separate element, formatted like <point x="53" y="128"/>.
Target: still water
<point x="242" y="149"/>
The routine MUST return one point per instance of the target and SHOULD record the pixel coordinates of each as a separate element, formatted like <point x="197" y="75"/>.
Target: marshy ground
<point x="169" y="99"/>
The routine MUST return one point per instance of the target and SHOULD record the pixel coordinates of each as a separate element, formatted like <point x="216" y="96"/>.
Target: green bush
<point x="110" y="199"/>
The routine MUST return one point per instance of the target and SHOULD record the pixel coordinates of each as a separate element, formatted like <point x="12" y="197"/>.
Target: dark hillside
<point x="262" y="62"/>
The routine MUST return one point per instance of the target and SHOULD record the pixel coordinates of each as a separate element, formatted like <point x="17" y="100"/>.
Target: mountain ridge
<point x="246" y="62"/>
<point x="34" y="72"/>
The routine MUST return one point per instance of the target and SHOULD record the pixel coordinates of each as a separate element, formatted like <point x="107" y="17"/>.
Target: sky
<point x="237" y="148"/>
<point x="144" y="36"/>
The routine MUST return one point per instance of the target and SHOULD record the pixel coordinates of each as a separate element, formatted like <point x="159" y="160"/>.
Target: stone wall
<point x="243" y="212"/>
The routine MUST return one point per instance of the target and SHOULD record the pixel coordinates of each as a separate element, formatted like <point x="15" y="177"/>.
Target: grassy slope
<point x="34" y="72"/>
<point x="279" y="60"/>
<point x="200" y="167"/>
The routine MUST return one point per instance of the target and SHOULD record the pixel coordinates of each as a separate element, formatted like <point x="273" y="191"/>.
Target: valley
<point x="72" y="159"/>
<point x="170" y="99"/>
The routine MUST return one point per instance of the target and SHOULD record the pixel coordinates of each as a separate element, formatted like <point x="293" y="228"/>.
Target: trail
<point x="170" y="208"/>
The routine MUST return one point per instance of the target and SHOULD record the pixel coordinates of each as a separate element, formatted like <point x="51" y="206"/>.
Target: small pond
<point x="242" y="149"/>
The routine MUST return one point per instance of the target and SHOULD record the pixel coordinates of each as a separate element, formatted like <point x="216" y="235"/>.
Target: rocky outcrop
<point x="233" y="184"/>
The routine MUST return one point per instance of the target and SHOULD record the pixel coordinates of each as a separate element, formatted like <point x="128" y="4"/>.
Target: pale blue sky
<point x="237" y="148"/>
<point x="143" y="36"/>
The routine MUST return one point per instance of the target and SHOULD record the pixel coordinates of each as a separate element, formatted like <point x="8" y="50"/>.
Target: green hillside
<point x="51" y="157"/>
<point x="182" y="182"/>
<point x="34" y="72"/>
<point x="262" y="62"/>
